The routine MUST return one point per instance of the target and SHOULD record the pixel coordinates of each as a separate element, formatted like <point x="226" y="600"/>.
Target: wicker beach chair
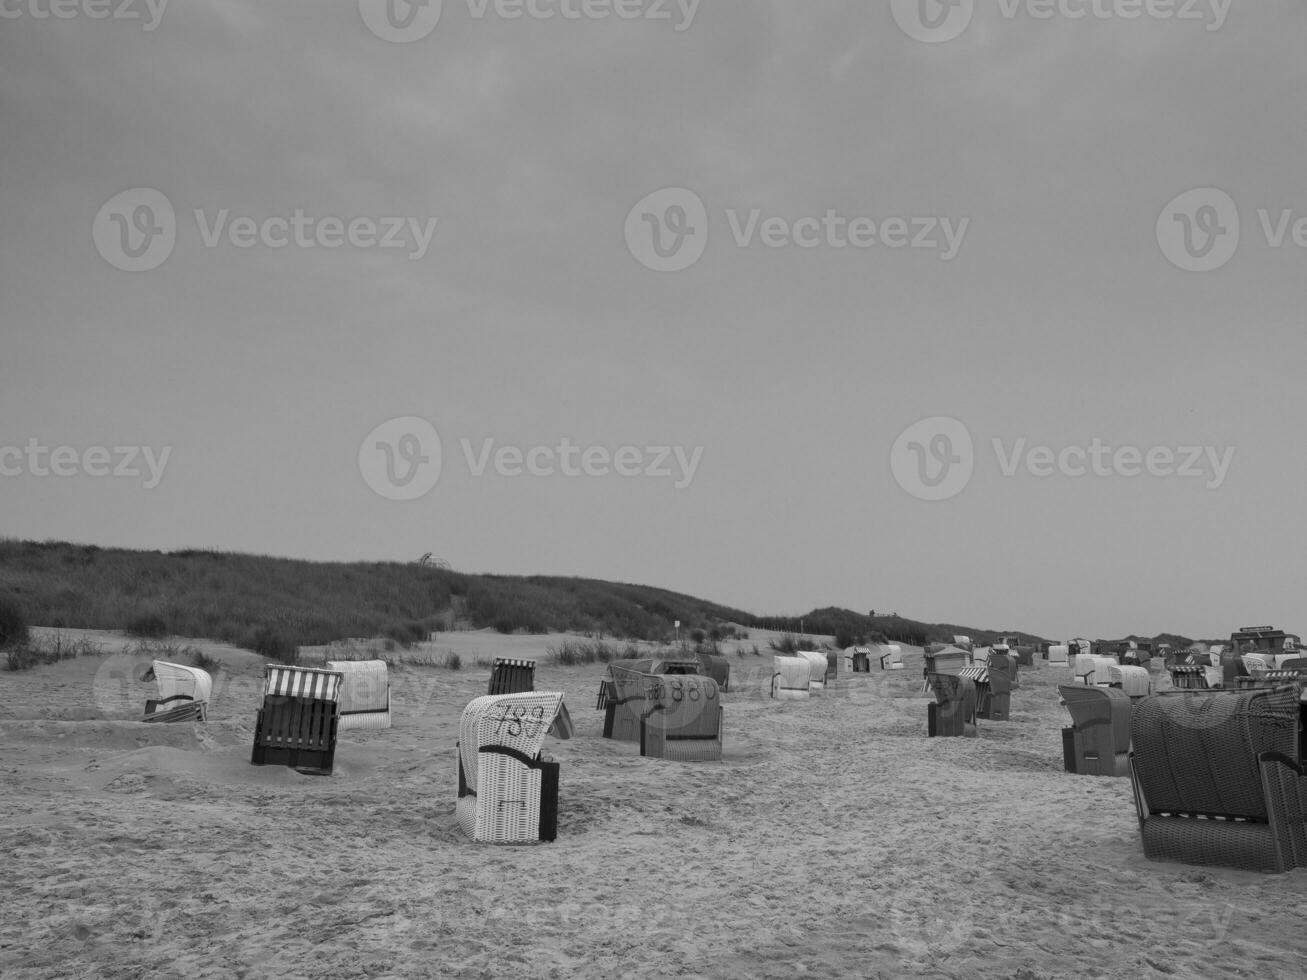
<point x="297" y="724"/>
<point x="507" y="791"/>
<point x="1098" y="741"/>
<point x="718" y="668"/>
<point x="953" y="712"/>
<point x="1135" y="681"/>
<point x="509" y="676"/>
<point x="891" y="656"/>
<point x="183" y="693"/>
<point x="817" y="666"/>
<point x="1257" y="663"/>
<point x="1009" y="664"/>
<point x="364" y="694"/>
<point x="1059" y="654"/>
<point x="1094" y="668"/>
<point x="791" y="678"/>
<point x="683" y="720"/>
<point x="625" y="710"/>
<point x="1196" y="677"/>
<point x="948" y="660"/>
<point x="1217" y="780"/>
<point x="993" y="690"/>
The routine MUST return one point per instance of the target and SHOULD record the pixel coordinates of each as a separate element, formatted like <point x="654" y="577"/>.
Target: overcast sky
<point x="447" y="229"/>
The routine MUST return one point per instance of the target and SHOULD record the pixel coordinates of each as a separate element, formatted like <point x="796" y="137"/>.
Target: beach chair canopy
<point x="302" y="682"/>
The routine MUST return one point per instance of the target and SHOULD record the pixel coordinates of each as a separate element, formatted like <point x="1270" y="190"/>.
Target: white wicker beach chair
<point x="1136" y="682"/>
<point x="364" y="694"/>
<point x="508" y="792"/>
<point x="891" y="656"/>
<point x="817" y="665"/>
<point x="791" y="678"/>
<point x="183" y="693"/>
<point x="1059" y="654"/>
<point x="1093" y="669"/>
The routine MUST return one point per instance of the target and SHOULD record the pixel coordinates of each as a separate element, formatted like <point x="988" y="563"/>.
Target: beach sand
<point x="834" y="839"/>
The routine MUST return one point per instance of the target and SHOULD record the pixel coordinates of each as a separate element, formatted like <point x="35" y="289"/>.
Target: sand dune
<point x="834" y="839"/>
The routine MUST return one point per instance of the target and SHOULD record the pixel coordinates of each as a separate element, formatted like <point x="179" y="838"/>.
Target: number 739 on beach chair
<point x="507" y="791"/>
<point x="297" y="724"/>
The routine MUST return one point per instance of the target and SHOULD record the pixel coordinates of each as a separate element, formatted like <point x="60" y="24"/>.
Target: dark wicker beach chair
<point x="718" y="668"/>
<point x="625" y="710"/>
<point x="297" y="724"/>
<point x="1098" y="741"/>
<point x="1217" y="780"/>
<point x="953" y="713"/>
<point x="509" y="676"/>
<point x="682" y="720"/>
<point x="993" y="689"/>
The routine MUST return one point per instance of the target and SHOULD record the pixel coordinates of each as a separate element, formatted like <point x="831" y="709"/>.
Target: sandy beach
<point x="834" y="839"/>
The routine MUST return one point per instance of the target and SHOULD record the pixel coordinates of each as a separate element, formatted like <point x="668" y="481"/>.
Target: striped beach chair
<point x="183" y="693"/>
<point x="364" y="694"/>
<point x="509" y="676"/>
<point x="993" y="690"/>
<point x="508" y="791"/>
<point x="297" y="724"/>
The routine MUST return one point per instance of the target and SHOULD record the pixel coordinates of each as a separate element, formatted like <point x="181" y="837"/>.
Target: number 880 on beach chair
<point x="508" y="791"/>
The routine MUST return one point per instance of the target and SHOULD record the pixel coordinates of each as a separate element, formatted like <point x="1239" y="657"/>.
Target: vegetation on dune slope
<point x="272" y="605"/>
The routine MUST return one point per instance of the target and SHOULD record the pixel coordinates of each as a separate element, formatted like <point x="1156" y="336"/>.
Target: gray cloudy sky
<point x="888" y="235"/>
